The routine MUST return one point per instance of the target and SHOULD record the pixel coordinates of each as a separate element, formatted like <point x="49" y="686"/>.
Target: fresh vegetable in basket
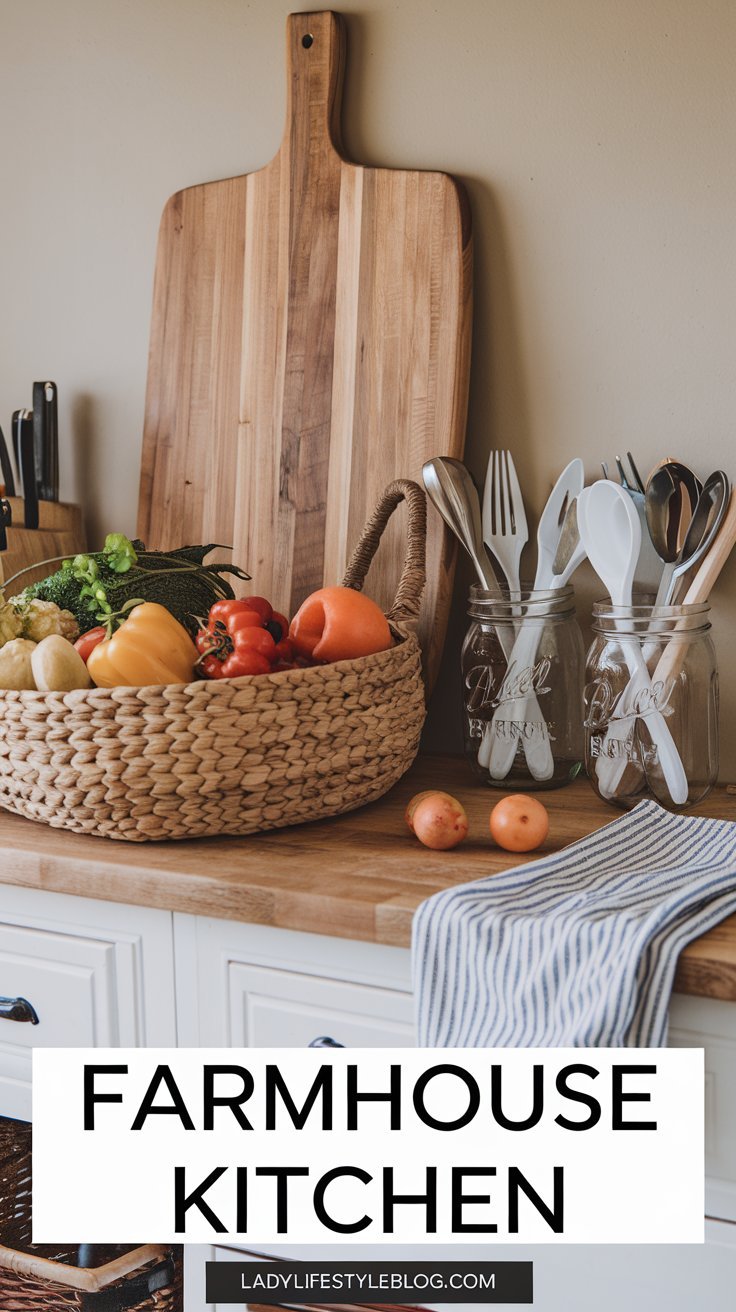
<point x="51" y="665"/>
<point x="34" y="619"/>
<point x="57" y="667"/>
<point x="95" y="587"/>
<point x="244" y="637"/>
<point x="15" y="664"/>
<point x="338" y="624"/>
<point x="151" y="647"/>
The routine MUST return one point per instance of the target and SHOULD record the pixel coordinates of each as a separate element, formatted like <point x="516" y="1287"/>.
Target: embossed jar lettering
<point x="522" y="667"/>
<point x="637" y="708"/>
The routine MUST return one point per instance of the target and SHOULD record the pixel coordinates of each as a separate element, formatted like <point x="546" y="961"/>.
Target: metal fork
<point x="506" y="533"/>
<point x="648" y="570"/>
<point x="505" y="530"/>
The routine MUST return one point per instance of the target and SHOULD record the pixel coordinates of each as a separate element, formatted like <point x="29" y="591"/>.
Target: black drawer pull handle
<point x="18" y="1009"/>
<point x="324" y="1041"/>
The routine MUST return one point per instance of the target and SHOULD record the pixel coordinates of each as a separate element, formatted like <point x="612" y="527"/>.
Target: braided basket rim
<point x="82" y="697"/>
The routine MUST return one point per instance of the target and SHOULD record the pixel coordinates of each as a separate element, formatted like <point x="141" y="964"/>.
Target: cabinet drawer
<point x="66" y="978"/>
<point x="709" y="1024"/>
<point x="263" y="987"/>
<point x="282" y="1009"/>
<point x="96" y="975"/>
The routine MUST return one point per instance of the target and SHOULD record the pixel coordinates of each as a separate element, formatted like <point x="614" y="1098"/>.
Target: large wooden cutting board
<point x="310" y="342"/>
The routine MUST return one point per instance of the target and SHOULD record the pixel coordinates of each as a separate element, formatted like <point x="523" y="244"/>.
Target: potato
<point x="439" y="821"/>
<point x="15" y="664"/>
<point x="57" y="666"/>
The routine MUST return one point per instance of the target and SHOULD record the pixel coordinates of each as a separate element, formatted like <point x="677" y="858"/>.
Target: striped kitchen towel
<point x="577" y="949"/>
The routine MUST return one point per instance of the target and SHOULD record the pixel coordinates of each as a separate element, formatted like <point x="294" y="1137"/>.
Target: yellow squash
<point x="150" y="647"/>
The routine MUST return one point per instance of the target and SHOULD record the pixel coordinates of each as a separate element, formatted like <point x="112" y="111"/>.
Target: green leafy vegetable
<point x="98" y="587"/>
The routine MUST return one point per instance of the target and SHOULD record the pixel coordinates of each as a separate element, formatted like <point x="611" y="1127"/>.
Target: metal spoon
<point x="704" y="524"/>
<point x="671" y="497"/>
<point x="690" y="489"/>
<point x="453" y="492"/>
<point x="661" y="492"/>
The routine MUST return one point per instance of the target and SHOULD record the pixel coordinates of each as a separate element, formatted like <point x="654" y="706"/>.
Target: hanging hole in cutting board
<point x="307" y="40"/>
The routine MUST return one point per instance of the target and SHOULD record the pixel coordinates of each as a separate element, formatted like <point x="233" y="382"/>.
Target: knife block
<point x="60" y="532"/>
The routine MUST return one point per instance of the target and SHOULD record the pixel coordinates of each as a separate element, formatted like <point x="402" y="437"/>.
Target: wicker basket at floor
<point x="231" y="756"/>
<point x="48" y="1278"/>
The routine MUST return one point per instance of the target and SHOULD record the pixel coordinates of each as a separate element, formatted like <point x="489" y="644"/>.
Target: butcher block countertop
<point x="360" y="876"/>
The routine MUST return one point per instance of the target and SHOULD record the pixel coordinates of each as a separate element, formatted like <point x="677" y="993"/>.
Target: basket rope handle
<point x="413" y="575"/>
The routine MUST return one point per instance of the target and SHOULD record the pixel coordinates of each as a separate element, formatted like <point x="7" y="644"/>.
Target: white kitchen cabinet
<point x="102" y="974"/>
<point x="97" y="974"/>
<point x="709" y="1024"/>
<point x="260" y="986"/>
<point x="266" y="987"/>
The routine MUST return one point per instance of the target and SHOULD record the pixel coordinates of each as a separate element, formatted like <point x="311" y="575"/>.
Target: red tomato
<point x="211" y="667"/>
<point x="245" y="662"/>
<point x="222" y="610"/>
<point x="205" y="641"/>
<point x="280" y="622"/>
<point x="258" y="640"/>
<point x="89" y="640"/>
<point x="243" y="619"/>
<point x="260" y="605"/>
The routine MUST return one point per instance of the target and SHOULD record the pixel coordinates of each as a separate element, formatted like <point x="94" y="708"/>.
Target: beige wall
<point x="597" y="142"/>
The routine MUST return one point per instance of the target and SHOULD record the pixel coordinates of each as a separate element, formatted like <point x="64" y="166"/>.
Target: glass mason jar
<point x="651" y="705"/>
<point x="523" y="665"/>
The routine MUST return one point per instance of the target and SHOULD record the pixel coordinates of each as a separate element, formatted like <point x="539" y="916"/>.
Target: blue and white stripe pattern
<point x="577" y="949"/>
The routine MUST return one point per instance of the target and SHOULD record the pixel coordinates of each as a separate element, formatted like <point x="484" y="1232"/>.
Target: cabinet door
<point x="264" y="987"/>
<point x="709" y="1024"/>
<point x="95" y="974"/>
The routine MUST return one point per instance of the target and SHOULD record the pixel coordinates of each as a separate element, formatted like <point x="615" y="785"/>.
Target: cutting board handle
<point x="413" y="575"/>
<point x="315" y="64"/>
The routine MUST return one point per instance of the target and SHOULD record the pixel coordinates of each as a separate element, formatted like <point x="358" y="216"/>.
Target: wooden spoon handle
<point x="713" y="562"/>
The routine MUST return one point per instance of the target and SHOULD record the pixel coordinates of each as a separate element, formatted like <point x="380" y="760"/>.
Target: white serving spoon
<point x="611" y="534"/>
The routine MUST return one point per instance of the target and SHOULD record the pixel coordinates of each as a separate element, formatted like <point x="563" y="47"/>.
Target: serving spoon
<point x="610" y="531"/>
<point x="704" y="525"/>
<point x="453" y="493"/>
<point x="672" y="497"/>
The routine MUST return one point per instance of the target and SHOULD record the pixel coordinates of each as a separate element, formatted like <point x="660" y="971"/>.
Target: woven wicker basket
<point x="230" y="756"/>
<point x="47" y="1278"/>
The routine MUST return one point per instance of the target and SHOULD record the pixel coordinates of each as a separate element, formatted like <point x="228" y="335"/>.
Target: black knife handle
<point x="7" y="467"/>
<point x="45" y="440"/>
<point x="24" y="423"/>
<point x="15" y="436"/>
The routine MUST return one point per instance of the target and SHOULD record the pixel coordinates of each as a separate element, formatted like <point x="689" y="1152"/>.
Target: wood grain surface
<point x="359" y="876"/>
<point x="310" y="342"/>
<point x="60" y="532"/>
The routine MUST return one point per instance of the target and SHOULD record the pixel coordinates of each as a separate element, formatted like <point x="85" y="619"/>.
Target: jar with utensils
<point x="523" y="674"/>
<point x="651" y="697"/>
<point x="651" y="704"/>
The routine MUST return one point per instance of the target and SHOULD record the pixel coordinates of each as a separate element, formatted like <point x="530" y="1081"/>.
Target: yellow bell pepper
<point x="150" y="647"/>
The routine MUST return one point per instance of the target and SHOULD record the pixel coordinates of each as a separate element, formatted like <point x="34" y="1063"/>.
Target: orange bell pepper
<point x="150" y="647"/>
<point x="337" y="624"/>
